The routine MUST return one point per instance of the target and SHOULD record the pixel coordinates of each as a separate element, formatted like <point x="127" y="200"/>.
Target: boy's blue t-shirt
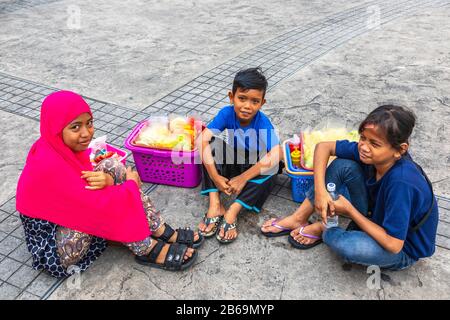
<point x="258" y="135"/>
<point x="400" y="199"/>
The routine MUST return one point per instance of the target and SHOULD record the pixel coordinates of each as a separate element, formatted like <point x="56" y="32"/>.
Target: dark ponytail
<point x="395" y="122"/>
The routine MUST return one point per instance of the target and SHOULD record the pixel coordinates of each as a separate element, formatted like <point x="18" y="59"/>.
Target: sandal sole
<point x="276" y="234"/>
<point x="199" y="242"/>
<point x="224" y="241"/>
<point x="209" y="234"/>
<point x="212" y="232"/>
<point x="300" y="246"/>
<point x="184" y="266"/>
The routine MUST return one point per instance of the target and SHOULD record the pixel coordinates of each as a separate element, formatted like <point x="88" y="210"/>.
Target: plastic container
<point x="301" y="179"/>
<point x="122" y="153"/>
<point x="295" y="158"/>
<point x="332" y="221"/>
<point x="302" y="150"/>
<point x="175" y="168"/>
<point x="294" y="143"/>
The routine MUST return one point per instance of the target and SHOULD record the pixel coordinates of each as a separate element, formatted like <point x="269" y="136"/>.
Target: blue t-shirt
<point x="257" y="136"/>
<point x="400" y="199"/>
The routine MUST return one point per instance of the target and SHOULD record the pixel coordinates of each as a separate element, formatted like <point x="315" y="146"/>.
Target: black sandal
<point x="184" y="236"/>
<point x="174" y="258"/>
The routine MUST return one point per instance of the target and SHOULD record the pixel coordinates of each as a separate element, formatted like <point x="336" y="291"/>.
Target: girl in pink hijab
<point x="69" y="209"/>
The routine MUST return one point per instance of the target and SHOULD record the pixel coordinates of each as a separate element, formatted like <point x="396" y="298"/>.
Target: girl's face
<point x="374" y="149"/>
<point x="79" y="132"/>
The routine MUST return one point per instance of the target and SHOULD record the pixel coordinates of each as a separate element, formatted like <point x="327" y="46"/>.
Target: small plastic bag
<point x="99" y="150"/>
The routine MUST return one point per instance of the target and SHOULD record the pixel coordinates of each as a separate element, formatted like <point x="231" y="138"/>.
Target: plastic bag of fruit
<point x="311" y="138"/>
<point x="171" y="133"/>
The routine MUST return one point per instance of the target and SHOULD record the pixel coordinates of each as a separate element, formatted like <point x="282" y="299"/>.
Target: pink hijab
<point x="50" y="186"/>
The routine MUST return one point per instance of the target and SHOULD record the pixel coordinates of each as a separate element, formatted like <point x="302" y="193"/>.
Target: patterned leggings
<point x="73" y="245"/>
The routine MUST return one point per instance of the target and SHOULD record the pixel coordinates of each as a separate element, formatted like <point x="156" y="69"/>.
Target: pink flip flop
<point x="284" y="231"/>
<point x="300" y="246"/>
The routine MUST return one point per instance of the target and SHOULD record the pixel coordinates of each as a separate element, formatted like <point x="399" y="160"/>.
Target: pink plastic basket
<point x="175" y="168"/>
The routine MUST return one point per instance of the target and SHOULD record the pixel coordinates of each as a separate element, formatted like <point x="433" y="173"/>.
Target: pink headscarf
<point x="50" y="186"/>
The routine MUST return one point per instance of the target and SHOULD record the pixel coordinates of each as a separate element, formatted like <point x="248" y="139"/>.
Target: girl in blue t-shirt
<point x="392" y="207"/>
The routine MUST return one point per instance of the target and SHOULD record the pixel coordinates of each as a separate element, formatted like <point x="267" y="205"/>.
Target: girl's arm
<point x="323" y="201"/>
<point x="377" y="232"/>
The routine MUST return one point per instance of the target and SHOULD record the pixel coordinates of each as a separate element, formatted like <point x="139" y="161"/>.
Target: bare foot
<point x="213" y="211"/>
<point x="231" y="233"/>
<point x="289" y="222"/>
<point x="315" y="229"/>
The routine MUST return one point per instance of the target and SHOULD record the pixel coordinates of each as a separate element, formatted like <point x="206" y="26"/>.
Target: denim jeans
<point x="357" y="246"/>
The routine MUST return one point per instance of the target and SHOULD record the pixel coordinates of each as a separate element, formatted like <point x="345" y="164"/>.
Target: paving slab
<point x="133" y="52"/>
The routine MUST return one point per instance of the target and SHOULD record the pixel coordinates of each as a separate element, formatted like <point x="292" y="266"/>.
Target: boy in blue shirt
<point x="247" y="164"/>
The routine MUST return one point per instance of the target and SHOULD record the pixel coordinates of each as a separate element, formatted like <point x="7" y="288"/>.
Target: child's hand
<point x="133" y="175"/>
<point x="237" y="184"/>
<point x="97" y="180"/>
<point x="343" y="206"/>
<point x="222" y="184"/>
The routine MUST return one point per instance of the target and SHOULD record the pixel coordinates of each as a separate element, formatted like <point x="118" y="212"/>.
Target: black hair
<point x="252" y="78"/>
<point x="396" y="122"/>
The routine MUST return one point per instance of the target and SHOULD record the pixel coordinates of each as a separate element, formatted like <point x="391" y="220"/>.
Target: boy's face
<point x="79" y="132"/>
<point x="247" y="103"/>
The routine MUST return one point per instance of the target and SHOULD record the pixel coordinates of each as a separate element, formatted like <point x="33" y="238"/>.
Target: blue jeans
<point x="357" y="246"/>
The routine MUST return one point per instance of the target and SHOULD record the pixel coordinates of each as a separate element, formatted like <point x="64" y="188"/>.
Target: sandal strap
<point x="208" y="221"/>
<point x="228" y="226"/>
<point x="154" y="253"/>
<point x="308" y="235"/>
<point x="175" y="256"/>
<point x="185" y="236"/>
<point x="274" y="224"/>
<point x="167" y="234"/>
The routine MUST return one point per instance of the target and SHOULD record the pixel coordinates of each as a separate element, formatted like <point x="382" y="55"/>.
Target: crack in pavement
<point x="207" y="257"/>
<point x="441" y="101"/>
<point x="282" y="288"/>
<point x="150" y="279"/>
<point x="418" y="278"/>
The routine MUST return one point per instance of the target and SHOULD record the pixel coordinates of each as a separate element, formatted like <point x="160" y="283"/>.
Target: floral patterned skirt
<point x="61" y="251"/>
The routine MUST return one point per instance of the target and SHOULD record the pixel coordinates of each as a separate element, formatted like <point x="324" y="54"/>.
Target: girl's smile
<point x="77" y="135"/>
